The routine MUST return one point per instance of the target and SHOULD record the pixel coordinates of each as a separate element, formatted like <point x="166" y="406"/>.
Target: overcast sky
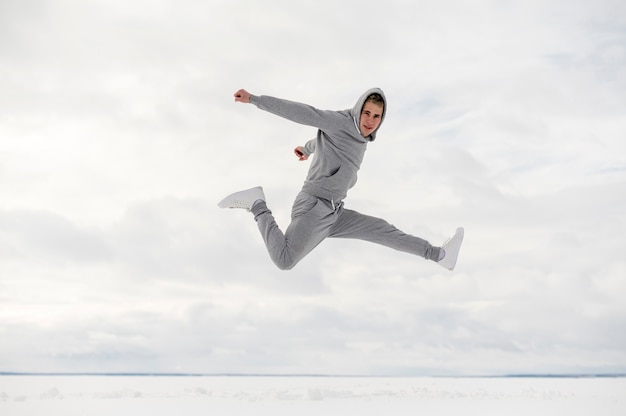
<point x="119" y="134"/>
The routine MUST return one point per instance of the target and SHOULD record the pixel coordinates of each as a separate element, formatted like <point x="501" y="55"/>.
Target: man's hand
<point x="299" y="151"/>
<point x="242" y="96"/>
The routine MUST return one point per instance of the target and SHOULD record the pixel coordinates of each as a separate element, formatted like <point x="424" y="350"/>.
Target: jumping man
<point x="318" y="211"/>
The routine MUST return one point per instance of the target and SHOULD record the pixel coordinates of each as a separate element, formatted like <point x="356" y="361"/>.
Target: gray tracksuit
<point x="318" y="210"/>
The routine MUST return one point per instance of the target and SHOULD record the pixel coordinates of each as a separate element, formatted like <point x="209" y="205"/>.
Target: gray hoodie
<point x="339" y="146"/>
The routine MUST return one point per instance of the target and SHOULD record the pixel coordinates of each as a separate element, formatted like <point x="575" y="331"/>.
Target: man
<point x="318" y="211"/>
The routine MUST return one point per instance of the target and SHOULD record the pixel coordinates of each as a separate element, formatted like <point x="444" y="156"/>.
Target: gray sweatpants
<point x="314" y="219"/>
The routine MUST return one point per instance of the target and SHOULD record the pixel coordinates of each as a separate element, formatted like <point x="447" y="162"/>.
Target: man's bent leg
<point x="310" y="224"/>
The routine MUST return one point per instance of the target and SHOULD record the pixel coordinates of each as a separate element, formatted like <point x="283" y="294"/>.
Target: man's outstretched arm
<point x="296" y="112"/>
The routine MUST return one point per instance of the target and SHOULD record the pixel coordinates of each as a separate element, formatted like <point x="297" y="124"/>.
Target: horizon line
<point x="182" y="374"/>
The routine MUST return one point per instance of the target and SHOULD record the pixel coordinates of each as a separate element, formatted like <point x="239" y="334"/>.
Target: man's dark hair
<point x="376" y="98"/>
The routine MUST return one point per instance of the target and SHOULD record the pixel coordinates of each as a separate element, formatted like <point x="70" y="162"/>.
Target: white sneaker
<point x="451" y="249"/>
<point x="243" y="199"/>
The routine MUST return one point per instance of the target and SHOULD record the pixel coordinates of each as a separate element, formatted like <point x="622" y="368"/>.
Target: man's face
<point x="371" y="116"/>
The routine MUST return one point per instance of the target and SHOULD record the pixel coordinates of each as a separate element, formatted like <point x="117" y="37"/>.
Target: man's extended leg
<point x="311" y="220"/>
<point x="352" y="224"/>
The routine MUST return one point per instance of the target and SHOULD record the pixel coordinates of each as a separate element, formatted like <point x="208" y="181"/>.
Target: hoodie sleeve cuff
<point x="309" y="147"/>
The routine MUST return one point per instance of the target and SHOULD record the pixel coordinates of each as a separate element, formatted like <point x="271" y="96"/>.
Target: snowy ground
<point x="145" y="395"/>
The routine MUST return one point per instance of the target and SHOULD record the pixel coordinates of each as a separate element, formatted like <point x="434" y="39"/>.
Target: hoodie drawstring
<point x="356" y="124"/>
<point x="335" y="206"/>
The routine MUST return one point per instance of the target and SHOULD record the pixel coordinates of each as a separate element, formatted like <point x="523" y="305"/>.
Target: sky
<point x="119" y="134"/>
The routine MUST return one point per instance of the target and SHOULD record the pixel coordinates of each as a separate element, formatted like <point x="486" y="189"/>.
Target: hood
<point x="356" y="110"/>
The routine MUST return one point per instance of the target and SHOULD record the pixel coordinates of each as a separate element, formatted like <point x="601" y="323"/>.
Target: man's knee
<point x="286" y="265"/>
